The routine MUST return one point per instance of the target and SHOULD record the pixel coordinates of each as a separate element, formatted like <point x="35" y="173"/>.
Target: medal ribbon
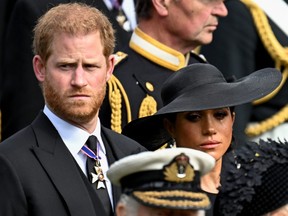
<point x="89" y="153"/>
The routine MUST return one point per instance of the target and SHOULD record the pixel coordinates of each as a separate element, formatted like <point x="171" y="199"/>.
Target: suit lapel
<point x="61" y="167"/>
<point x="113" y="154"/>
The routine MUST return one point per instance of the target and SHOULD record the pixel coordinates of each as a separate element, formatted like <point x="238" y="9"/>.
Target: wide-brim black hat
<point x="200" y="87"/>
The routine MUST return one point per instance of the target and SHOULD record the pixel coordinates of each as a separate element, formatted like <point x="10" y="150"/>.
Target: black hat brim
<point x="150" y="132"/>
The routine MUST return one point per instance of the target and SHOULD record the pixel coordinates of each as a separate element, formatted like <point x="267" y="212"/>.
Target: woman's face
<point x="208" y="130"/>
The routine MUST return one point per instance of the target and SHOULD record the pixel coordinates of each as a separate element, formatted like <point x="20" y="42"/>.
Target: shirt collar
<point x="73" y="137"/>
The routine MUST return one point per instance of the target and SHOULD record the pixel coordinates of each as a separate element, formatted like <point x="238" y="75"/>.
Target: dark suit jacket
<point x="38" y="175"/>
<point x="22" y="97"/>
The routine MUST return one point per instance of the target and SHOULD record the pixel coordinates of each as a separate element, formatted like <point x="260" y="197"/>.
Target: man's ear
<point x="110" y="67"/>
<point x="39" y="68"/>
<point x="161" y="6"/>
<point x="121" y="209"/>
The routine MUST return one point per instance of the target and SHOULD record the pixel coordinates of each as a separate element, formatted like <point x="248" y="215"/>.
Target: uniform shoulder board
<point x="120" y="56"/>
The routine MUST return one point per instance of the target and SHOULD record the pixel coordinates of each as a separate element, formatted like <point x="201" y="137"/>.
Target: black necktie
<point x="94" y="167"/>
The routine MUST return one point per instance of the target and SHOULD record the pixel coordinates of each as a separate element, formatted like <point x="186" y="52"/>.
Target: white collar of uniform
<point x="156" y="51"/>
<point x="277" y="11"/>
<point x="73" y="137"/>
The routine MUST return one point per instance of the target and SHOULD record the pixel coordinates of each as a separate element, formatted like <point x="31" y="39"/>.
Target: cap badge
<point x="179" y="170"/>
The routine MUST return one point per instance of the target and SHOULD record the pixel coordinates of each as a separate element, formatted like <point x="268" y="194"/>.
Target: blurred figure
<point x="164" y="182"/>
<point x="163" y="42"/>
<point x="5" y="12"/>
<point x="257" y="181"/>
<point x="22" y="97"/>
<point x="254" y="35"/>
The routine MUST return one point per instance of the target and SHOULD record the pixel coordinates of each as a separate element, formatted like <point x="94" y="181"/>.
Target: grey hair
<point x="130" y="204"/>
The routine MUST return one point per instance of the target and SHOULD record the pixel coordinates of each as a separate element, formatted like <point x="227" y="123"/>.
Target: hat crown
<point x="166" y="178"/>
<point x="189" y="78"/>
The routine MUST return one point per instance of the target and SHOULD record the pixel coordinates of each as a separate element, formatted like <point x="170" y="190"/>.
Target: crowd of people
<point x="143" y="107"/>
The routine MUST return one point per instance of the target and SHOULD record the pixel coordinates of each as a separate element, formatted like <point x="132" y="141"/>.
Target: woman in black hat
<point x="198" y="112"/>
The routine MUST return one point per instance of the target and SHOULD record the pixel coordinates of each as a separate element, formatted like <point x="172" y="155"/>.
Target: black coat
<point x="38" y="175"/>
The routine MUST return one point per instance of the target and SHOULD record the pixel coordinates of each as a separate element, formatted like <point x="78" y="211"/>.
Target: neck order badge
<point x="95" y="172"/>
<point x="92" y="152"/>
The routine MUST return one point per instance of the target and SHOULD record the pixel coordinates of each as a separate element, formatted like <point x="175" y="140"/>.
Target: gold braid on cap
<point x="154" y="198"/>
<point x="280" y="55"/>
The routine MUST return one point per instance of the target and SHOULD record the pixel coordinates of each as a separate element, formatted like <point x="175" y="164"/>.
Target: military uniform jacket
<point x="248" y="40"/>
<point x="39" y="176"/>
<point x="142" y="68"/>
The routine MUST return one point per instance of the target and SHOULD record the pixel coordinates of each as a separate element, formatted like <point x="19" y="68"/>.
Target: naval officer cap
<point x="166" y="178"/>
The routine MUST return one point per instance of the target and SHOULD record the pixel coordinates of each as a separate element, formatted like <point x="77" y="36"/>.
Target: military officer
<point x="163" y="42"/>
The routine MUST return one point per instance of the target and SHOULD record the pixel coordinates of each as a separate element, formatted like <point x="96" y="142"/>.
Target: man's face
<point x="194" y="21"/>
<point x="75" y="76"/>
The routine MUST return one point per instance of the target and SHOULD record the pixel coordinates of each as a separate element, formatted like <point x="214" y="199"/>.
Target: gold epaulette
<point x="268" y="124"/>
<point x="148" y="106"/>
<point x="278" y="53"/>
<point x="280" y="56"/>
<point x="116" y="94"/>
<point x="119" y="56"/>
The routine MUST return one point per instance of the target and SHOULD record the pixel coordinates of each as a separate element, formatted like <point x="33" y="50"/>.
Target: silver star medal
<point x="98" y="177"/>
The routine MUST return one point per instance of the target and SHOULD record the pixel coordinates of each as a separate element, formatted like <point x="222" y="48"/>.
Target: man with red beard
<point x="45" y="168"/>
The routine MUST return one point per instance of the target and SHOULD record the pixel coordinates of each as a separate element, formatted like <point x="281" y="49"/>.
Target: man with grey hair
<point x="164" y="41"/>
<point x="164" y="182"/>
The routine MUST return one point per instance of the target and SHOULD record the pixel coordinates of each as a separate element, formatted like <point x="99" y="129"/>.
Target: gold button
<point x="149" y="86"/>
